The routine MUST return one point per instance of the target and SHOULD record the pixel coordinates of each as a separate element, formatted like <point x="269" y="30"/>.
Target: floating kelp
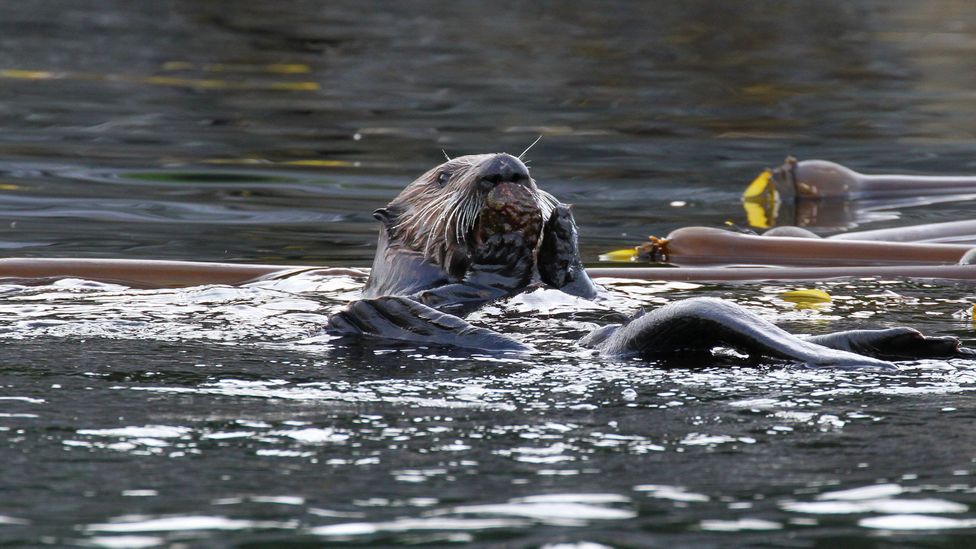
<point x="712" y="246"/>
<point x="810" y="192"/>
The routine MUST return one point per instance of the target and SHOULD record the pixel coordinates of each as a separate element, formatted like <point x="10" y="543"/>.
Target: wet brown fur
<point x="438" y="220"/>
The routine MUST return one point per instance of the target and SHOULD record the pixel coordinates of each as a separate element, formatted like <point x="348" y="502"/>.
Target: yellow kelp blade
<point x="759" y="185"/>
<point x="629" y="254"/>
<point x="318" y="163"/>
<point x="806" y="296"/>
<point x="275" y="68"/>
<point x="756" y="215"/>
<point x="761" y="201"/>
<point x="27" y="75"/>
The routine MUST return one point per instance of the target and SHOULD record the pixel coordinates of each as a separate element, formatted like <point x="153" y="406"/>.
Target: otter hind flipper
<point x="893" y="343"/>
<point x="400" y="318"/>
<point x="698" y="324"/>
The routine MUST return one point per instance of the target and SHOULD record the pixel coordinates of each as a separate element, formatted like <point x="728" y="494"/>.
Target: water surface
<point x="252" y="132"/>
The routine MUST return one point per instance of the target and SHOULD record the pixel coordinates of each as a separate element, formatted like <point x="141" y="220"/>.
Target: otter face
<point x="447" y="212"/>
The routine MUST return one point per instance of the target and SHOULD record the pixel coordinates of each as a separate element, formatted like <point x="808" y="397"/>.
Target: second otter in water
<point x="477" y="229"/>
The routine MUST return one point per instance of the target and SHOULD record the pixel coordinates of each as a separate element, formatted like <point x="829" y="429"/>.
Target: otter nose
<point x="503" y="168"/>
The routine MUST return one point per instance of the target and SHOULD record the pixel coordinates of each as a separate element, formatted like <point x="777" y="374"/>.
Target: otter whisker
<point x="468" y="218"/>
<point x="547" y="203"/>
<point x="471" y="216"/>
<point x="537" y="139"/>
<point x="431" y="231"/>
<point x="453" y="221"/>
<point x="418" y="222"/>
<point x="463" y="205"/>
<point x="462" y="227"/>
<point x="414" y="219"/>
<point x="440" y="226"/>
<point x="458" y="214"/>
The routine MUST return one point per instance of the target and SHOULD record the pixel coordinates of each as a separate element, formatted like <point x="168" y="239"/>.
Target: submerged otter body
<point x="477" y="229"/>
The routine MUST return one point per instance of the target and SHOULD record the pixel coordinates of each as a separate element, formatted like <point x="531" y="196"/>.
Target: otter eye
<point x="443" y="178"/>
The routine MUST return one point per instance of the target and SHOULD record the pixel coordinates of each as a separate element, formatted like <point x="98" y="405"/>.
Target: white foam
<point x="916" y="522"/>
<point x="138" y="523"/>
<point x="739" y="525"/>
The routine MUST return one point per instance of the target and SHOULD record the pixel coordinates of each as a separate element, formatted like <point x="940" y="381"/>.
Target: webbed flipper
<point x="697" y="324"/>
<point x="403" y="319"/>
<point x="893" y="343"/>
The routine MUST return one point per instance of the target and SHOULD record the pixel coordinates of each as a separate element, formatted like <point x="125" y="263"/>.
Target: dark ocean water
<point x="268" y="132"/>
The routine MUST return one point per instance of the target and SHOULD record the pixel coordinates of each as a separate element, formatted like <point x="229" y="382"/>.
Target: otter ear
<point x="382" y="215"/>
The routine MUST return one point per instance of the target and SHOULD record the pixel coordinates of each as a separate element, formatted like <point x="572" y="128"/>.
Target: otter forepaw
<point x="502" y="261"/>
<point x="560" y="265"/>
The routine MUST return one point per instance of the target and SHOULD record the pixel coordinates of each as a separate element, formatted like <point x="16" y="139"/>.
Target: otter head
<point x="450" y="210"/>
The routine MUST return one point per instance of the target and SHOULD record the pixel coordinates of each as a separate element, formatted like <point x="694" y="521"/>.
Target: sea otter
<point x="477" y="229"/>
